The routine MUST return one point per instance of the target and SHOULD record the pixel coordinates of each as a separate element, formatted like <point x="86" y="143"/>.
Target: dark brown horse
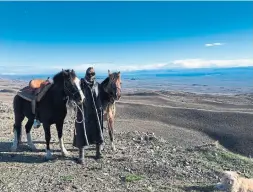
<point x="51" y="109"/>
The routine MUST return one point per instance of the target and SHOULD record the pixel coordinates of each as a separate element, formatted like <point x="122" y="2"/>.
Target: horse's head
<point x="113" y="87"/>
<point x="71" y="85"/>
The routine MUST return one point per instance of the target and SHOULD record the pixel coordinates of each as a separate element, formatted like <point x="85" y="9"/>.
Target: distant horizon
<point x="236" y="80"/>
<point x="147" y="72"/>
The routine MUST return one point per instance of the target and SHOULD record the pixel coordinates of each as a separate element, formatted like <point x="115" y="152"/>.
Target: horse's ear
<point x="64" y="72"/>
<point x="109" y="72"/>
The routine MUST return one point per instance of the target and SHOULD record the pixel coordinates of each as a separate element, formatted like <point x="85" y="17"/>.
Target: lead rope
<point x="76" y="107"/>
<point x="99" y="124"/>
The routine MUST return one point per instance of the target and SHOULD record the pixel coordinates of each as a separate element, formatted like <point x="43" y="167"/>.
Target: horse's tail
<point x="17" y="105"/>
<point x="16" y="109"/>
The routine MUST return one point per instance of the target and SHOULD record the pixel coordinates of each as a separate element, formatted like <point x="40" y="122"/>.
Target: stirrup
<point x="36" y="123"/>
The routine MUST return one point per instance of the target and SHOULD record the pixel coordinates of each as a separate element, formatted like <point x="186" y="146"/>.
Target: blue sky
<point x="40" y="37"/>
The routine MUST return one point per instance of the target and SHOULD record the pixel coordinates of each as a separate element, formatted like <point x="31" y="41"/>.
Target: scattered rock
<point x="123" y="178"/>
<point x="74" y="187"/>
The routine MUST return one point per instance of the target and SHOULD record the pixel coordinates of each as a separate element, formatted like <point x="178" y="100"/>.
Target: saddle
<point x="35" y="91"/>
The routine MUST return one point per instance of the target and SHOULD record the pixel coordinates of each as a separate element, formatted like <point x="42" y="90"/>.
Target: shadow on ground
<point x="25" y="155"/>
<point x="207" y="188"/>
<point x="23" y="147"/>
<point x="21" y="158"/>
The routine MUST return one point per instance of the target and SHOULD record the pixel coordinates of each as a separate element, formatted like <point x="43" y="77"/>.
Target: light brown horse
<point x="111" y="87"/>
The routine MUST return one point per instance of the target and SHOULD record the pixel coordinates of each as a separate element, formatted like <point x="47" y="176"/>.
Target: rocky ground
<point x="142" y="162"/>
<point x="166" y="141"/>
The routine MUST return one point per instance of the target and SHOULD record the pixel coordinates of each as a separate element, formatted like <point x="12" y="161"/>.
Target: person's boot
<point x="98" y="151"/>
<point x="80" y="159"/>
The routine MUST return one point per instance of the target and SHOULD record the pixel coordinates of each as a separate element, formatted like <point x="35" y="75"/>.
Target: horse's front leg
<point x="59" y="127"/>
<point x="28" y="128"/>
<point x="47" y="132"/>
<point x="110" y="123"/>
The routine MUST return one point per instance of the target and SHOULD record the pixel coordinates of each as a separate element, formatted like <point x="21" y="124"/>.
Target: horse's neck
<point x="57" y="95"/>
<point x="105" y="97"/>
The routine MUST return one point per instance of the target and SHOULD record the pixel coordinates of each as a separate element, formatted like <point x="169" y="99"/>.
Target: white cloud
<point x="202" y="63"/>
<point x="102" y="68"/>
<point x="213" y="44"/>
<point x="142" y="67"/>
<point x="183" y="63"/>
<point x="82" y="67"/>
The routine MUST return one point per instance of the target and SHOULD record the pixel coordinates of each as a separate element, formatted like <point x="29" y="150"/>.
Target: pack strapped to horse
<point x="35" y="91"/>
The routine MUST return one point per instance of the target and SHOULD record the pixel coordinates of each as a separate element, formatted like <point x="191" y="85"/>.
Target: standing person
<point x="90" y="130"/>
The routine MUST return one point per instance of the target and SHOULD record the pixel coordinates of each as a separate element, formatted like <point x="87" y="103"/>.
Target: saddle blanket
<point x="28" y="93"/>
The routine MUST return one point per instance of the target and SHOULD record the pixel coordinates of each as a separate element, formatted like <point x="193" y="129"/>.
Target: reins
<point x="75" y="107"/>
<point x="73" y="103"/>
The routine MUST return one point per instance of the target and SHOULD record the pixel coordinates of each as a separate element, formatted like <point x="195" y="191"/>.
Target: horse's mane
<point x="59" y="76"/>
<point x="105" y="81"/>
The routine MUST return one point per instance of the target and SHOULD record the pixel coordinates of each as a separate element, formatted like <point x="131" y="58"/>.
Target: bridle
<point x="67" y="90"/>
<point x="109" y="86"/>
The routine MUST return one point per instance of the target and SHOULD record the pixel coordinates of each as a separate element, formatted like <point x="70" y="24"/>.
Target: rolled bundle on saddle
<point x="39" y="87"/>
<point x="37" y="83"/>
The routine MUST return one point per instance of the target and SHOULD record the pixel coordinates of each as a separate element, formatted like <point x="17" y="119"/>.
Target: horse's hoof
<point x="113" y="147"/>
<point x="65" y="153"/>
<point x="99" y="156"/>
<point x="102" y="147"/>
<point x="80" y="161"/>
<point x="32" y="147"/>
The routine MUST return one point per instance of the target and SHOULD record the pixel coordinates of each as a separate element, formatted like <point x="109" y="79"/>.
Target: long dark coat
<point x="90" y="129"/>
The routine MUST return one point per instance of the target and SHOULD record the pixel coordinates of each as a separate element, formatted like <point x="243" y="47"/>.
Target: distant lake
<point x="224" y="81"/>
